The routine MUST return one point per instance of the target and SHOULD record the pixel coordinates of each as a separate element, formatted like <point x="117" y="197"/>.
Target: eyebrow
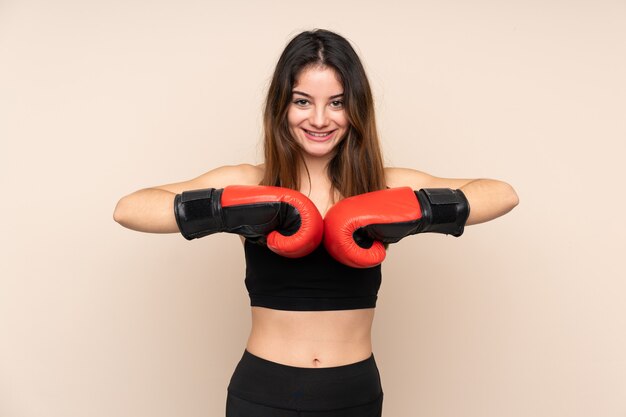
<point x="309" y="96"/>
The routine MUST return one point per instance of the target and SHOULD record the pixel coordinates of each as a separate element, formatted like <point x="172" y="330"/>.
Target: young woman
<point x="309" y="352"/>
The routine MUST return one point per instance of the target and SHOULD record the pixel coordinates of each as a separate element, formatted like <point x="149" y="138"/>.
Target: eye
<point x="337" y="104"/>
<point x="301" y="102"/>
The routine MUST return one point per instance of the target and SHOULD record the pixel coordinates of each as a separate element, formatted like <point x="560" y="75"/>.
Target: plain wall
<point x="522" y="316"/>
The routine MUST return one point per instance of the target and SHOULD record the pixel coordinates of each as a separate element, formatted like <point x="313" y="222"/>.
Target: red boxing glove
<point x="285" y="219"/>
<point x="356" y="228"/>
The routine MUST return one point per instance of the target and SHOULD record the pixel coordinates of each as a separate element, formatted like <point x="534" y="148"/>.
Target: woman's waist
<point x="311" y="339"/>
<point x="307" y="354"/>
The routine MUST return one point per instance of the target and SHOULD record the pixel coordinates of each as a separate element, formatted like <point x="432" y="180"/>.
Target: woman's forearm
<point x="147" y="210"/>
<point x="489" y="199"/>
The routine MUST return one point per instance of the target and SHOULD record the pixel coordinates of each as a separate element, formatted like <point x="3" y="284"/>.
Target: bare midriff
<point x="311" y="339"/>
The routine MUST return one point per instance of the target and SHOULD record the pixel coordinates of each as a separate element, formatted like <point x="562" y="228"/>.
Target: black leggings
<point x="261" y="388"/>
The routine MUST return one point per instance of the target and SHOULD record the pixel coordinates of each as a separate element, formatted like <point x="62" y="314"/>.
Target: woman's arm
<point x="152" y="209"/>
<point x="488" y="199"/>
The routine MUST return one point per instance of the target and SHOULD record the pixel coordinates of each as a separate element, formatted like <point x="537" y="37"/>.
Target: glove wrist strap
<point x="198" y="212"/>
<point x="443" y="210"/>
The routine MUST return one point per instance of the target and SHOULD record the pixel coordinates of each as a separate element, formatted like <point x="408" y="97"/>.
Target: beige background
<point x="523" y="316"/>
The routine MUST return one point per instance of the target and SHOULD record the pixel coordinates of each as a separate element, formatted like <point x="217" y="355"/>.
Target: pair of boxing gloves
<point x="354" y="230"/>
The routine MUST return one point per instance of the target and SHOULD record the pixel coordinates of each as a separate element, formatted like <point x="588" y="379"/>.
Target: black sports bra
<point x="315" y="282"/>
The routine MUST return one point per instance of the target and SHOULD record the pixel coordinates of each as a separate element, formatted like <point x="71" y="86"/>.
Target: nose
<point x="319" y="117"/>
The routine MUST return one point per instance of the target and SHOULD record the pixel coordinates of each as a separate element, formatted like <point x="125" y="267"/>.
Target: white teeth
<point x="318" y="135"/>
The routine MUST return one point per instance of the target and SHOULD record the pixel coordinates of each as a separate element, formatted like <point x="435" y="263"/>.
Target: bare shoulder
<point x="220" y="177"/>
<point x="407" y="177"/>
<point x="403" y="177"/>
<point x="242" y="174"/>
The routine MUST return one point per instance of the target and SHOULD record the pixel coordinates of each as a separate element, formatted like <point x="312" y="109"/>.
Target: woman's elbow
<point x="120" y="213"/>
<point x="512" y="199"/>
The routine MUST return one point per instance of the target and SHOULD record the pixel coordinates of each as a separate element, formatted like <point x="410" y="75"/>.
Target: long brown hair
<point x="357" y="165"/>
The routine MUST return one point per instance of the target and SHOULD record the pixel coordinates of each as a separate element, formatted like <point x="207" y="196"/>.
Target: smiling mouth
<point x="318" y="134"/>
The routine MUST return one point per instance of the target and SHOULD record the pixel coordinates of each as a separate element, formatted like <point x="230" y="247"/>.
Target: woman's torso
<point x="310" y="338"/>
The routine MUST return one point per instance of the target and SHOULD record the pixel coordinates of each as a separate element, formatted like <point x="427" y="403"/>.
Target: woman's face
<point x="317" y="118"/>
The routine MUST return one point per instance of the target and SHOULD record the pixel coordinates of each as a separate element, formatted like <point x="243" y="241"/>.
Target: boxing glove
<point x="356" y="228"/>
<point x="284" y="219"/>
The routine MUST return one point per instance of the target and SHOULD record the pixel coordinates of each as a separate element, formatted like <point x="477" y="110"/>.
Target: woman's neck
<point x="314" y="174"/>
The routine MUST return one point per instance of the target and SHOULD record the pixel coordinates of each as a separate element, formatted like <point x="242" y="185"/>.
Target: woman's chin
<point x="318" y="150"/>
